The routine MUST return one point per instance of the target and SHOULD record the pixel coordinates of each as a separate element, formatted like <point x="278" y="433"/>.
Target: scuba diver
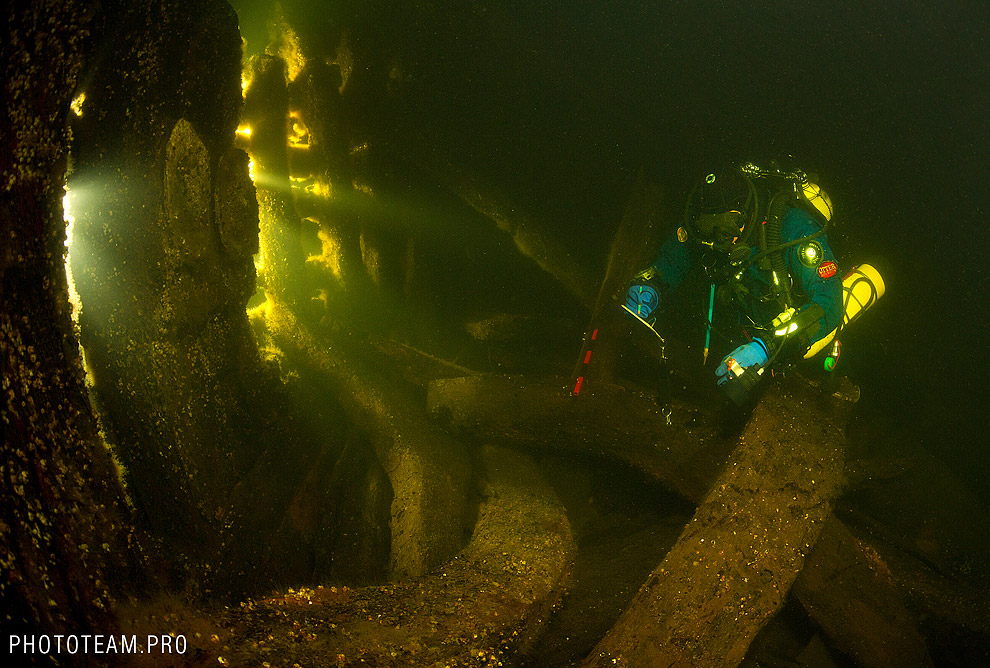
<point x="759" y="234"/>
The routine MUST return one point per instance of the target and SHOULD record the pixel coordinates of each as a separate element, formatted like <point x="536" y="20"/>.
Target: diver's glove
<point x="741" y="370"/>
<point x="643" y="296"/>
<point x="749" y="357"/>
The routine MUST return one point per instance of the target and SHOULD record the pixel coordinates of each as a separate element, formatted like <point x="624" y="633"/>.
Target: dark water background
<point x="564" y="102"/>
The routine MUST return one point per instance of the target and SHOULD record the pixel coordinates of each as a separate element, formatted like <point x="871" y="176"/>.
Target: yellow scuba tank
<point x="861" y="288"/>
<point x="813" y="194"/>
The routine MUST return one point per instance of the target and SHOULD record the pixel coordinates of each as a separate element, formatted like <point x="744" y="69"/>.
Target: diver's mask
<point x="719" y="230"/>
<point x="721" y="233"/>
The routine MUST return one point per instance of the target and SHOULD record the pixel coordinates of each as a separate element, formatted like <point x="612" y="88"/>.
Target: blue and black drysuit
<point x="756" y="305"/>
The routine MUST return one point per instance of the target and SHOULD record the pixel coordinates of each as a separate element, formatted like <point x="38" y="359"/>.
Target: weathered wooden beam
<point x="614" y="423"/>
<point x="608" y="421"/>
<point x="951" y="605"/>
<point x="526" y="231"/>
<point x="480" y="609"/>
<point x="611" y="422"/>
<point x="731" y="569"/>
<point x="847" y="590"/>
<point x="429" y="472"/>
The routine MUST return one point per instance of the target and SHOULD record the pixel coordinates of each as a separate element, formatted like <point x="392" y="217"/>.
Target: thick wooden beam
<point x="480" y="609"/>
<point x="429" y="472"/>
<point x="527" y="232"/>
<point x="731" y="569"/>
<point x="608" y="421"/>
<point x="611" y="422"/>
<point x="848" y="590"/>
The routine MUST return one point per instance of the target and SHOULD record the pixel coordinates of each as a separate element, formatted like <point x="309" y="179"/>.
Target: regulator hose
<point x="773" y="246"/>
<point x="779" y="204"/>
<point x="753" y="206"/>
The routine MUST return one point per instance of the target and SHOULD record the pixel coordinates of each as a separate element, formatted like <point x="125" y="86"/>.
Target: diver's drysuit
<point x="785" y="289"/>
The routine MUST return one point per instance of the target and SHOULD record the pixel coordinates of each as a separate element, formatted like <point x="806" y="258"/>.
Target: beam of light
<point x="784" y="331"/>
<point x="291" y="51"/>
<point x="329" y="258"/>
<point x="70" y="198"/>
<point x="259" y="263"/>
<point x="318" y="189"/>
<point x="262" y="309"/>
<point x="70" y="222"/>
<point x="298" y="132"/>
<point x="77" y="103"/>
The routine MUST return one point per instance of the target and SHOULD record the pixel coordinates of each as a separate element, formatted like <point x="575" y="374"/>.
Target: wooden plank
<point x="607" y="421"/>
<point x="731" y="569"/>
<point x="612" y="422"/>
<point x="847" y="590"/>
<point x="480" y="609"/>
<point x="429" y="472"/>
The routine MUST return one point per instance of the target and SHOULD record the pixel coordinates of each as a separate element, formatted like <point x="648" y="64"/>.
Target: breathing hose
<point x="773" y="244"/>
<point x="775" y="223"/>
<point x="753" y="205"/>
